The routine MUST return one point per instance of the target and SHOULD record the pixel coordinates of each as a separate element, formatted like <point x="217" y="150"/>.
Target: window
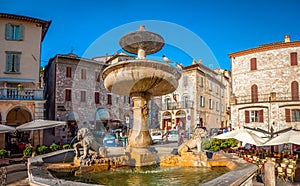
<point x="222" y="92"/>
<point x="68" y="96"/>
<point x="97" y="97"/>
<point x="13" y="62"/>
<point x="69" y="72"/>
<point x="185" y="81"/>
<point x="253" y="64"/>
<point x="83" y="74"/>
<point x="202" y="101"/>
<point x="217" y="90"/>
<point x="210" y="104"/>
<point x="254" y="95"/>
<point x="168" y="103"/>
<point x="295" y="115"/>
<point x="295" y="90"/>
<point x="109" y="102"/>
<point x="185" y="102"/>
<point x="82" y="96"/>
<point x="201" y="81"/>
<point x="210" y="85"/>
<point x="217" y="106"/>
<point x="14" y="32"/>
<point x="222" y="108"/>
<point x="292" y="115"/>
<point x="97" y="77"/>
<point x="294" y="58"/>
<point x="254" y="116"/>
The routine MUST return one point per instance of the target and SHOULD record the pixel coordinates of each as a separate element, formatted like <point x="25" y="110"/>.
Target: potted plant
<point x="3" y="157"/>
<point x="54" y="147"/>
<point x="43" y="149"/>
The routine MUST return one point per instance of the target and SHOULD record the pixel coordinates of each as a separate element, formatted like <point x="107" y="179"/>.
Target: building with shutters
<point x="21" y="91"/>
<point x="75" y="93"/>
<point x="202" y="97"/>
<point x="265" y="86"/>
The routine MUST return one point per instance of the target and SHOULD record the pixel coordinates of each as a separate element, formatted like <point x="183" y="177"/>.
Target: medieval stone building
<point x="265" y="86"/>
<point x="75" y="93"/>
<point x="202" y="97"/>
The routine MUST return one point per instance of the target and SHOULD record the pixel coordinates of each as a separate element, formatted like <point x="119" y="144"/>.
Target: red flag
<point x="174" y="97"/>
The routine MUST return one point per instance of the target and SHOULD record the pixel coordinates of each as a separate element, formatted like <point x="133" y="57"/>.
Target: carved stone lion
<point x="194" y="142"/>
<point x="87" y="141"/>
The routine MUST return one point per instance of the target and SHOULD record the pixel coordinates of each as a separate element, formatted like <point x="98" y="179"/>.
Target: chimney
<point x="142" y="28"/>
<point x="287" y="39"/>
<point x="200" y="61"/>
<point x="194" y="61"/>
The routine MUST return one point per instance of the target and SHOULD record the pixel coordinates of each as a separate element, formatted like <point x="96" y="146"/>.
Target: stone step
<point x="14" y="177"/>
<point x="16" y="168"/>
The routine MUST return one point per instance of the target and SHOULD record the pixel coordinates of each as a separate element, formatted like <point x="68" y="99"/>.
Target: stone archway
<point x="18" y="116"/>
<point x="180" y="120"/>
<point x="16" y="142"/>
<point x="166" y="121"/>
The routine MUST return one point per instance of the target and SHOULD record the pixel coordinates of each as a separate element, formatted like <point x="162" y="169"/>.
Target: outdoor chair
<point x="281" y="173"/>
<point x="290" y="173"/>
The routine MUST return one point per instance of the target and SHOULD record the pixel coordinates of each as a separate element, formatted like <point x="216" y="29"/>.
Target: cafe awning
<point x="291" y="136"/>
<point x="6" y="129"/>
<point x="40" y="124"/>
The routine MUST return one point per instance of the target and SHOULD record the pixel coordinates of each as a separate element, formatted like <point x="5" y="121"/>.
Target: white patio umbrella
<point x="292" y="136"/>
<point x="40" y="124"/>
<point x="6" y="128"/>
<point x="245" y="136"/>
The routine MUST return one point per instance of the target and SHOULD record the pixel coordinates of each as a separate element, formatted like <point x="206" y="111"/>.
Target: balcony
<point x="261" y="98"/>
<point x="12" y="93"/>
<point x="178" y="105"/>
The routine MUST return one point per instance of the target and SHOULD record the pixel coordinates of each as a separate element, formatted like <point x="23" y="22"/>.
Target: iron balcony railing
<point x="178" y="105"/>
<point x="261" y="98"/>
<point x="12" y="93"/>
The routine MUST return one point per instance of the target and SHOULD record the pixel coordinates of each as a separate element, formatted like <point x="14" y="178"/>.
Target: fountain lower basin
<point x="241" y="172"/>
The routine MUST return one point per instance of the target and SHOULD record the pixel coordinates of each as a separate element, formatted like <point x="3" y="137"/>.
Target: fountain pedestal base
<point x="141" y="156"/>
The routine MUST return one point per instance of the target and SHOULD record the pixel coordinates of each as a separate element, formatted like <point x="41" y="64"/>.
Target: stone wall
<point x="273" y="76"/>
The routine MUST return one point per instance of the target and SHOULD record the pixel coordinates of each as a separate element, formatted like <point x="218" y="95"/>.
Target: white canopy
<point x="245" y="136"/>
<point x="5" y="129"/>
<point x="292" y="136"/>
<point x="40" y="124"/>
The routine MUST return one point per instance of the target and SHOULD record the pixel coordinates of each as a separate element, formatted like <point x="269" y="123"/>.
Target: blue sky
<point x="206" y="29"/>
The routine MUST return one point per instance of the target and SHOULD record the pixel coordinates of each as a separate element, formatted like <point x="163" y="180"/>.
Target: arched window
<point x="254" y="93"/>
<point x="295" y="90"/>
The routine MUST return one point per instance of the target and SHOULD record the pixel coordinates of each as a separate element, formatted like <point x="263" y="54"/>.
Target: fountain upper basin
<point x="141" y="76"/>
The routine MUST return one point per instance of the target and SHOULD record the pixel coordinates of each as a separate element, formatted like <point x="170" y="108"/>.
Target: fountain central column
<point x="140" y="136"/>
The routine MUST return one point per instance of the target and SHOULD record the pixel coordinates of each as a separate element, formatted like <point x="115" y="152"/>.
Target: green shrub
<point x="54" y="147"/>
<point x="28" y="151"/>
<point x="214" y="144"/>
<point x="3" y="153"/>
<point x="66" y="146"/>
<point x="43" y="149"/>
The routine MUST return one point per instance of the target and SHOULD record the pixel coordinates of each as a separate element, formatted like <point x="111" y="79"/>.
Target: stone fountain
<point x="141" y="79"/>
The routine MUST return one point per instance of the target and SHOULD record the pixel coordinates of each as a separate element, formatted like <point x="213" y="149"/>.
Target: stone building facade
<point x="265" y="86"/>
<point x="75" y="93"/>
<point x="21" y="93"/>
<point x="201" y="98"/>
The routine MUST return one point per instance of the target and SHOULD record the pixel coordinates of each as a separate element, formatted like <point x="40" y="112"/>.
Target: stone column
<point x="140" y="136"/>
<point x="270" y="179"/>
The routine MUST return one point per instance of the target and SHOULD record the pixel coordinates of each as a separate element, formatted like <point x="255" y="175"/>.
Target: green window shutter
<point x="7" y="31"/>
<point x="8" y="62"/>
<point x="21" y="32"/>
<point x="17" y="62"/>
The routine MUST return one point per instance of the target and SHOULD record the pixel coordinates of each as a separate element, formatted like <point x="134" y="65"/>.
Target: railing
<point x="267" y="98"/>
<point x="12" y="93"/>
<point x="178" y="105"/>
